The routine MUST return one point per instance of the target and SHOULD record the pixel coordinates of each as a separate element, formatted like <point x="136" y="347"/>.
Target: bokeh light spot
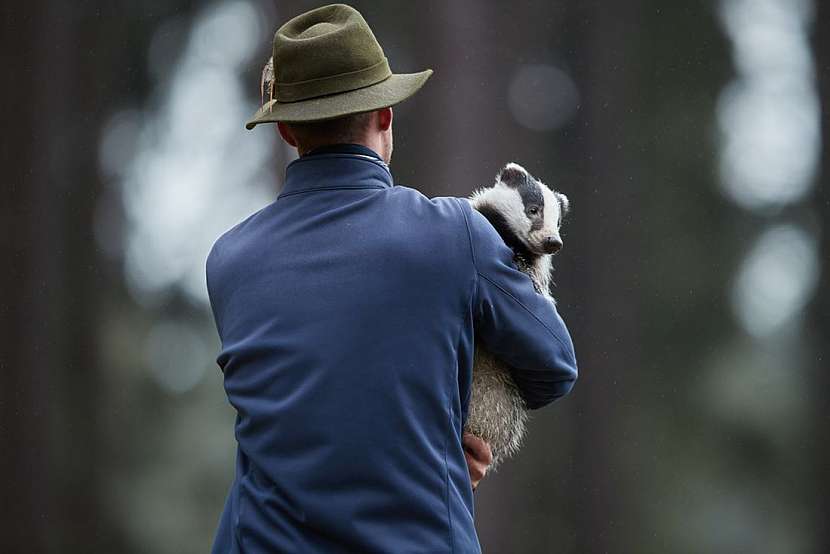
<point x="542" y="97"/>
<point x="777" y="280"/>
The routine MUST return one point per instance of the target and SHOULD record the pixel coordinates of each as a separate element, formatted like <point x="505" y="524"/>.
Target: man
<point x="347" y="309"/>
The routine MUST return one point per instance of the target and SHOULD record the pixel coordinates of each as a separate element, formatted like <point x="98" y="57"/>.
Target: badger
<point x="528" y="215"/>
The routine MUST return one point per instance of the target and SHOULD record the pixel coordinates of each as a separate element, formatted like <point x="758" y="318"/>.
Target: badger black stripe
<point x="499" y="222"/>
<point x="530" y="191"/>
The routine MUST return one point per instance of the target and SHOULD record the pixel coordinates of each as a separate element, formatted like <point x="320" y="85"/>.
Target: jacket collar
<point x="337" y="166"/>
<point x="345" y="148"/>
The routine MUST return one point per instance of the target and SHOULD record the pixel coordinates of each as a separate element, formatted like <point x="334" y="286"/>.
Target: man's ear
<point x="384" y="118"/>
<point x="286" y="134"/>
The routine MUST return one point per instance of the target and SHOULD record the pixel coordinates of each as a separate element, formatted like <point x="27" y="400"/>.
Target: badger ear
<point x="512" y="175"/>
<point x="564" y="203"/>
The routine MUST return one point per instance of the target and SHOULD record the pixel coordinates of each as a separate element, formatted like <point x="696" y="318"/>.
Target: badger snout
<point x="552" y="245"/>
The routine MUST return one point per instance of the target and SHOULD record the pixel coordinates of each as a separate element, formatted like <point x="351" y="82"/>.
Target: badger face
<point x="525" y="211"/>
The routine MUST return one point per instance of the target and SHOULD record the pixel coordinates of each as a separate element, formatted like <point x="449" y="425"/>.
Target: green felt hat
<point x="327" y="63"/>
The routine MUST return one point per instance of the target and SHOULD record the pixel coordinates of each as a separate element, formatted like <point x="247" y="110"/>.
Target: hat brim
<point x="392" y="90"/>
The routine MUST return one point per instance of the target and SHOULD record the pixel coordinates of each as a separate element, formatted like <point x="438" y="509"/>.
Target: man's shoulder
<point x="455" y="208"/>
<point x="223" y="243"/>
<point x="450" y="206"/>
<point x="479" y="234"/>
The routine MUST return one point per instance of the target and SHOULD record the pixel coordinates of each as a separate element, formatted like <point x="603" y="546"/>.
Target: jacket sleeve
<point x="518" y="325"/>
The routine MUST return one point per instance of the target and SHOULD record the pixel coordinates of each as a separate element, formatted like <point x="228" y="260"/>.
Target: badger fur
<point x="528" y="215"/>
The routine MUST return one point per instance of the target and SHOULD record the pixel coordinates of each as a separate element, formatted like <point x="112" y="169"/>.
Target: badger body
<point x="528" y="215"/>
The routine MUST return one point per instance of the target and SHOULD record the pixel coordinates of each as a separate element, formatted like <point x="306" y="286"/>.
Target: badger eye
<point x="533" y="210"/>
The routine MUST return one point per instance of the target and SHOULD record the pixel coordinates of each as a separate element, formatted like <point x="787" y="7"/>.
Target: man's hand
<point x="479" y="457"/>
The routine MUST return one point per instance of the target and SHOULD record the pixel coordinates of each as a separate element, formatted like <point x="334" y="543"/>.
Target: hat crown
<point x="326" y="51"/>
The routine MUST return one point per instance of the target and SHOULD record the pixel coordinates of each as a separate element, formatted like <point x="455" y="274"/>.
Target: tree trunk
<point x="60" y="68"/>
<point x="607" y="329"/>
<point x="821" y="306"/>
<point x="25" y="349"/>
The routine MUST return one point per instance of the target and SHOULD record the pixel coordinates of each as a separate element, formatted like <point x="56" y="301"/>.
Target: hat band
<point x="332" y="84"/>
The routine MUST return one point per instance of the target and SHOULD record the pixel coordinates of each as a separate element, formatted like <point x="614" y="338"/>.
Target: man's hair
<point x="349" y="128"/>
<point x="346" y="129"/>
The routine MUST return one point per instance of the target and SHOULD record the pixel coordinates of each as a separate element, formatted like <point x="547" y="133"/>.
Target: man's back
<point x="346" y="312"/>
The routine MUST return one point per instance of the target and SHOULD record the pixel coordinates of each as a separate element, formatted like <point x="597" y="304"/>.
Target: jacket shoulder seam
<point x="528" y="310"/>
<point x="474" y="288"/>
<point x="469" y="233"/>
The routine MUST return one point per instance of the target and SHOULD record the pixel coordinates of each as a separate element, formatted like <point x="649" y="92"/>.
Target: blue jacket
<point x="346" y="311"/>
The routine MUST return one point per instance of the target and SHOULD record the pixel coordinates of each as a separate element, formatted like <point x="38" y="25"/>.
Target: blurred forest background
<point x="695" y="277"/>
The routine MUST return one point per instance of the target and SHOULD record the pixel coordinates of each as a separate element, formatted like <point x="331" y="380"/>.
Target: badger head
<point x="526" y="212"/>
